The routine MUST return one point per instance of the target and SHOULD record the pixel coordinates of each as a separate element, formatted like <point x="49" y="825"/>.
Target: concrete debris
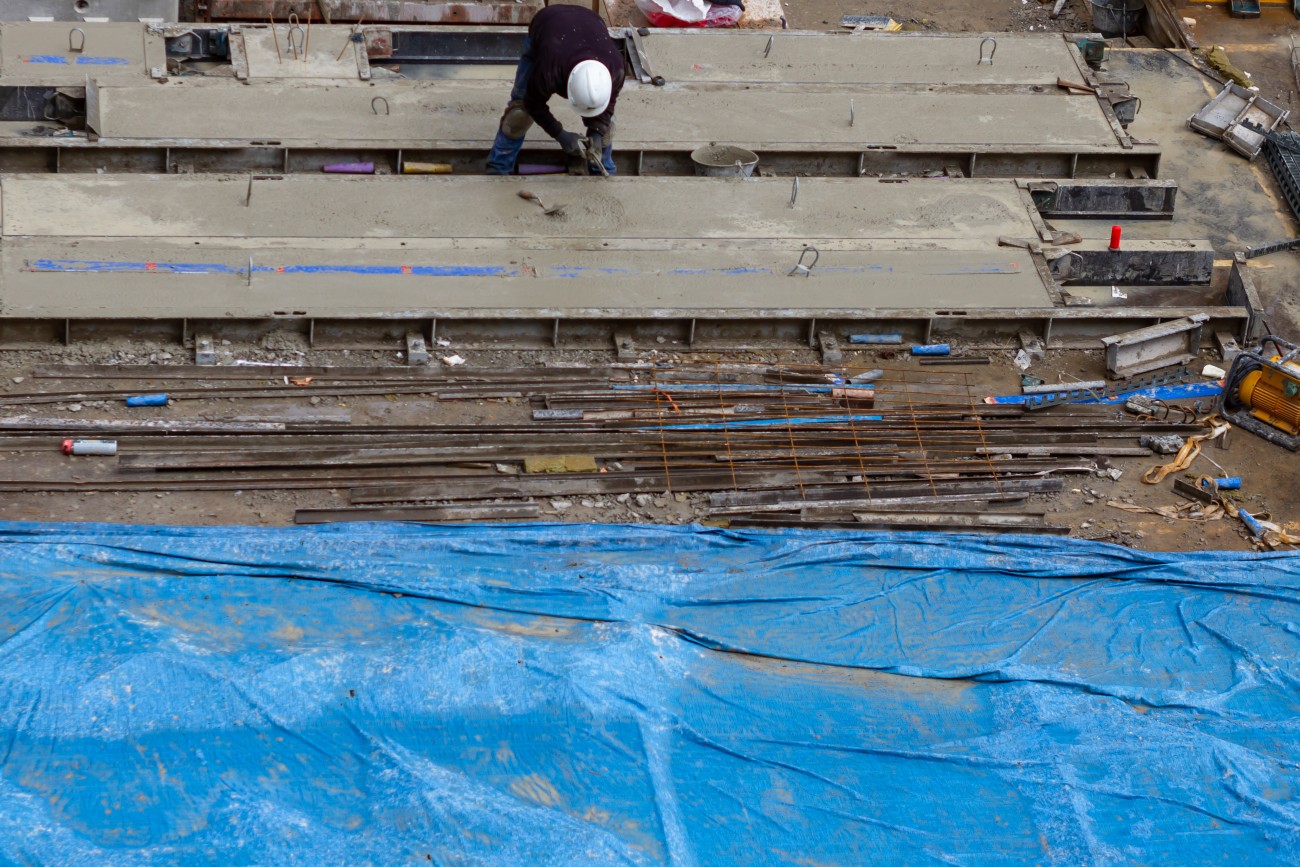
<point x="452" y="360"/>
<point x="1169" y="444"/>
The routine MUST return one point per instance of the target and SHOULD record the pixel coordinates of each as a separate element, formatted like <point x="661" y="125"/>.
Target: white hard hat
<point x="589" y="88"/>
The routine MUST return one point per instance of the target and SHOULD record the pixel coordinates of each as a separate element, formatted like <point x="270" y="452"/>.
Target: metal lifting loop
<point x="1068" y="264"/>
<point x="794" y="191"/>
<point x="992" y="51"/>
<point x="375" y="108"/>
<point x="802" y="270"/>
<point x="75" y="45"/>
<point x="301" y="42"/>
<point x="768" y="49"/>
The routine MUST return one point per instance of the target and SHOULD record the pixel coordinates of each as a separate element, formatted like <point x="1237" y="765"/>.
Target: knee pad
<point x="516" y="121"/>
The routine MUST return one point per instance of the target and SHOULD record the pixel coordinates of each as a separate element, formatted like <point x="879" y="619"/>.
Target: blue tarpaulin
<point x="566" y="694"/>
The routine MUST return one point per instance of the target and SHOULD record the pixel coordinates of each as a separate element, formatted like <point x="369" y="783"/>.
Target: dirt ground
<point x="946" y="15"/>
<point x="1082" y="505"/>
<point x="1273" y="477"/>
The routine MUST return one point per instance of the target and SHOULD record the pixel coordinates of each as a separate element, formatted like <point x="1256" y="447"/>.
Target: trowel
<point x="558" y="210"/>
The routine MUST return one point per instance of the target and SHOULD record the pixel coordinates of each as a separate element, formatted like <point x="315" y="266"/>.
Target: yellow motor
<point x="1273" y="395"/>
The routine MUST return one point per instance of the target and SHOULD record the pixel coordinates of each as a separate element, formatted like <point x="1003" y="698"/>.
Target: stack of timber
<point x="750" y="444"/>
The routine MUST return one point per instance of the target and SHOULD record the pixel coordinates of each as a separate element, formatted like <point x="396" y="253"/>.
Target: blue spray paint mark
<point x="570" y="271"/>
<point x="60" y="60"/>
<point x="729" y="272"/>
<point x="101" y="266"/>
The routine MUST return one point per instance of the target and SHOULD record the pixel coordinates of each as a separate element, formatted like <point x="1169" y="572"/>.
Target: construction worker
<point x="568" y="51"/>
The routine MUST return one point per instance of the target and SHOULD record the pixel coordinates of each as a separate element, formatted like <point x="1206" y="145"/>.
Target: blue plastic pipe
<point x="932" y="349"/>
<point x="147" y="400"/>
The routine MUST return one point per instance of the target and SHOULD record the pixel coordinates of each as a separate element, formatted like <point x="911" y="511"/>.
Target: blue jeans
<point x="505" y="148"/>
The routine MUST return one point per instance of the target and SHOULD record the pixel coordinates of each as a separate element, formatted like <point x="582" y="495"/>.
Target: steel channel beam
<point x="1064" y="328"/>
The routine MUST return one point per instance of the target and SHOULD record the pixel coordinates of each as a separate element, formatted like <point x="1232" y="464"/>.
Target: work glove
<point x="597" y="142"/>
<point x="570" y="143"/>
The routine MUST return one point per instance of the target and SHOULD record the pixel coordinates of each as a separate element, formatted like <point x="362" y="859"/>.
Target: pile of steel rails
<point x="749" y="444"/>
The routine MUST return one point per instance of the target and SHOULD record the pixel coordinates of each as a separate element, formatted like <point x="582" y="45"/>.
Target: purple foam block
<point x="349" y="168"/>
<point x="540" y="169"/>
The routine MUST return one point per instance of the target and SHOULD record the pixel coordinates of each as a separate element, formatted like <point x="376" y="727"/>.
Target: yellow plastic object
<point x="1273" y="396"/>
<point x="412" y="168"/>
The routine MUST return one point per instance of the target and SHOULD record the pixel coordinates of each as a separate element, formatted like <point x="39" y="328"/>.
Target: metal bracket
<point x="1274" y="247"/>
<point x="1155" y="346"/>
<point x="830" y="348"/>
<point x="1229" y="348"/>
<point x="624" y="346"/>
<point x="205" y="349"/>
<point x="417" y="350"/>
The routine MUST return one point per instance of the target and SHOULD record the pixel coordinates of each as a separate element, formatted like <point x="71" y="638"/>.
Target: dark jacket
<point x="560" y="38"/>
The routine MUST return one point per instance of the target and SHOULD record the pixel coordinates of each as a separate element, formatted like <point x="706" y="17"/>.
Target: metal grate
<point x="1283" y="152"/>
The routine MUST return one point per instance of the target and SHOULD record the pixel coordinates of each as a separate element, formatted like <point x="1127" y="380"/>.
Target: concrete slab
<point x="921" y="213"/>
<point x="285" y="52"/>
<point x="465" y="112"/>
<point x="181" y="279"/>
<point x="948" y="59"/>
<point x="138" y="246"/>
<point x="43" y="52"/>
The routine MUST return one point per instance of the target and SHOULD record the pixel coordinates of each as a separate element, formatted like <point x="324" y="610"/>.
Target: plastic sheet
<point x="561" y="694"/>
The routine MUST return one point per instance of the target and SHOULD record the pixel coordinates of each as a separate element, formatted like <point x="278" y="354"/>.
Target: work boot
<point x="504" y="154"/>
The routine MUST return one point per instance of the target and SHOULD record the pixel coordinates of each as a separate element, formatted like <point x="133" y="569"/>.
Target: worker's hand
<point x="570" y="143"/>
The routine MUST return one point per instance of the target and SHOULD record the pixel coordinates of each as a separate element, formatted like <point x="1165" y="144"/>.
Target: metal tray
<point x="1221" y="118"/>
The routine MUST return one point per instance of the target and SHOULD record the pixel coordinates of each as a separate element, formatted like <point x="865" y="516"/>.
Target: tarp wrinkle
<point x="572" y="695"/>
